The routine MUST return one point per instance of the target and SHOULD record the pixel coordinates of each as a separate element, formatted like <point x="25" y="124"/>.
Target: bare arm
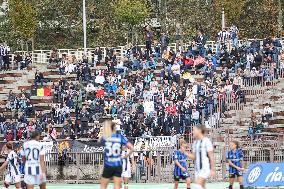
<point x="178" y="164"/>
<point x="191" y="156"/>
<point x="4" y="165"/>
<point x="242" y="165"/>
<point x="232" y="165"/>
<point x="212" y="161"/>
<point x="131" y="149"/>
<point x="42" y="164"/>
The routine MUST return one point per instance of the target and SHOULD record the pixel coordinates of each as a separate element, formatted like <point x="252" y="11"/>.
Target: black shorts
<point x="176" y="178"/>
<point x="110" y="172"/>
<point x="234" y="175"/>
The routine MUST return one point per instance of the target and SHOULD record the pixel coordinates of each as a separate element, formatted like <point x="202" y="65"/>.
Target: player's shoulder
<point x="32" y="143"/>
<point x="229" y="151"/>
<point x="11" y="153"/>
<point x="177" y="151"/>
<point x="239" y="150"/>
<point x="206" y="140"/>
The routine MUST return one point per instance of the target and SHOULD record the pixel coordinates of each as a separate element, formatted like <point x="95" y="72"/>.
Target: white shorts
<point x="34" y="180"/>
<point x="12" y="178"/>
<point x="203" y="173"/>
<point x="126" y="174"/>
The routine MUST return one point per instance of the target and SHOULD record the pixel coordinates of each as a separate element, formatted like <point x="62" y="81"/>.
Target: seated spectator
<point x="188" y="62"/>
<point x="39" y="78"/>
<point x="90" y="88"/>
<point x="176" y="72"/>
<point x="267" y="113"/>
<point x="199" y="62"/>
<point x="100" y="93"/>
<point x="195" y="117"/>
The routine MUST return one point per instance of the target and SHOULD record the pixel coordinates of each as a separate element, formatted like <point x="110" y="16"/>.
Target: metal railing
<point x="149" y="166"/>
<point x="43" y="56"/>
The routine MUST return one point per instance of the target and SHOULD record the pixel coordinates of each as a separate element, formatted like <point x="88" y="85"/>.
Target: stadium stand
<point x="64" y="94"/>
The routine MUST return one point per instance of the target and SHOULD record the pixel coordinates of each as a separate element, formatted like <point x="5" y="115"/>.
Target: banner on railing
<point x="265" y="175"/>
<point x="140" y="144"/>
<point x="87" y="146"/>
<point x="155" y="143"/>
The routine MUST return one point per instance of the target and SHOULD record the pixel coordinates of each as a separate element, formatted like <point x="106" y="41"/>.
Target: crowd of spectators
<point x="152" y="91"/>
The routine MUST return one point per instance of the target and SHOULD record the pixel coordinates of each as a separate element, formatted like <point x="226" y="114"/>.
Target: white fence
<point x="43" y="56"/>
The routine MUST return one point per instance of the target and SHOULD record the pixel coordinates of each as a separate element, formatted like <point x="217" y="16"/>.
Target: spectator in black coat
<point x="84" y="119"/>
<point x="38" y="78"/>
<point x="164" y="41"/>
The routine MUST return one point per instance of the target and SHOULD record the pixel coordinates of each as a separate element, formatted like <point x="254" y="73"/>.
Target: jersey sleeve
<point x="22" y="152"/>
<point x="124" y="140"/>
<point x="194" y="147"/>
<point x="102" y="141"/>
<point x="209" y="146"/>
<point x="176" y="155"/>
<point x="241" y="155"/>
<point x="228" y="155"/>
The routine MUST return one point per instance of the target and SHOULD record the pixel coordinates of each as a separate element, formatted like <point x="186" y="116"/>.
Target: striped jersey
<point x="235" y="158"/>
<point x="126" y="162"/>
<point x="201" y="149"/>
<point x="13" y="165"/>
<point x="4" y="50"/>
<point x="32" y="151"/>
<point x="181" y="158"/>
<point x="223" y="36"/>
<point x="113" y="149"/>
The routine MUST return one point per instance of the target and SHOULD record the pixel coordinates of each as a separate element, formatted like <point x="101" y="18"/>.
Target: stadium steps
<point x="237" y="123"/>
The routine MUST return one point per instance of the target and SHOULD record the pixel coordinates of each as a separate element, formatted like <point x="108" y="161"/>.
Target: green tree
<point x="131" y="12"/>
<point x="23" y="19"/>
<point x="260" y="18"/>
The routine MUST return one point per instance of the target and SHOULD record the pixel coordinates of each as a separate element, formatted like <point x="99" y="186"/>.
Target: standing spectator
<point x="97" y="56"/>
<point x="1" y="57"/>
<point x="201" y="41"/>
<point x="84" y="118"/>
<point x="4" y="53"/>
<point x="179" y="36"/>
<point x="149" y="39"/>
<point x="223" y="37"/>
<point x="164" y="40"/>
<point x="234" y="31"/>
<point x="54" y="56"/>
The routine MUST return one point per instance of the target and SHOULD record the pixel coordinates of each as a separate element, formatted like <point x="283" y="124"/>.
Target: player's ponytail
<point x="108" y="129"/>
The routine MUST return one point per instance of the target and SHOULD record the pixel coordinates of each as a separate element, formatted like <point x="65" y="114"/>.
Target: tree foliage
<point x="58" y="23"/>
<point x="252" y="17"/>
<point x="23" y="18"/>
<point x="132" y="12"/>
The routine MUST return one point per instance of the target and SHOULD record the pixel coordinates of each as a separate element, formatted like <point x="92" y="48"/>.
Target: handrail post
<point x="158" y="166"/>
<point x="78" y="164"/>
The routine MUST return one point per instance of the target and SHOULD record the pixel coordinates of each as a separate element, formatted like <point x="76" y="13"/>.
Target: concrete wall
<point x="73" y="172"/>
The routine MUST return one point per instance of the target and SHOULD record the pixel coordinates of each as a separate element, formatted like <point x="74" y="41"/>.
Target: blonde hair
<point x="108" y="129"/>
<point x="182" y="142"/>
